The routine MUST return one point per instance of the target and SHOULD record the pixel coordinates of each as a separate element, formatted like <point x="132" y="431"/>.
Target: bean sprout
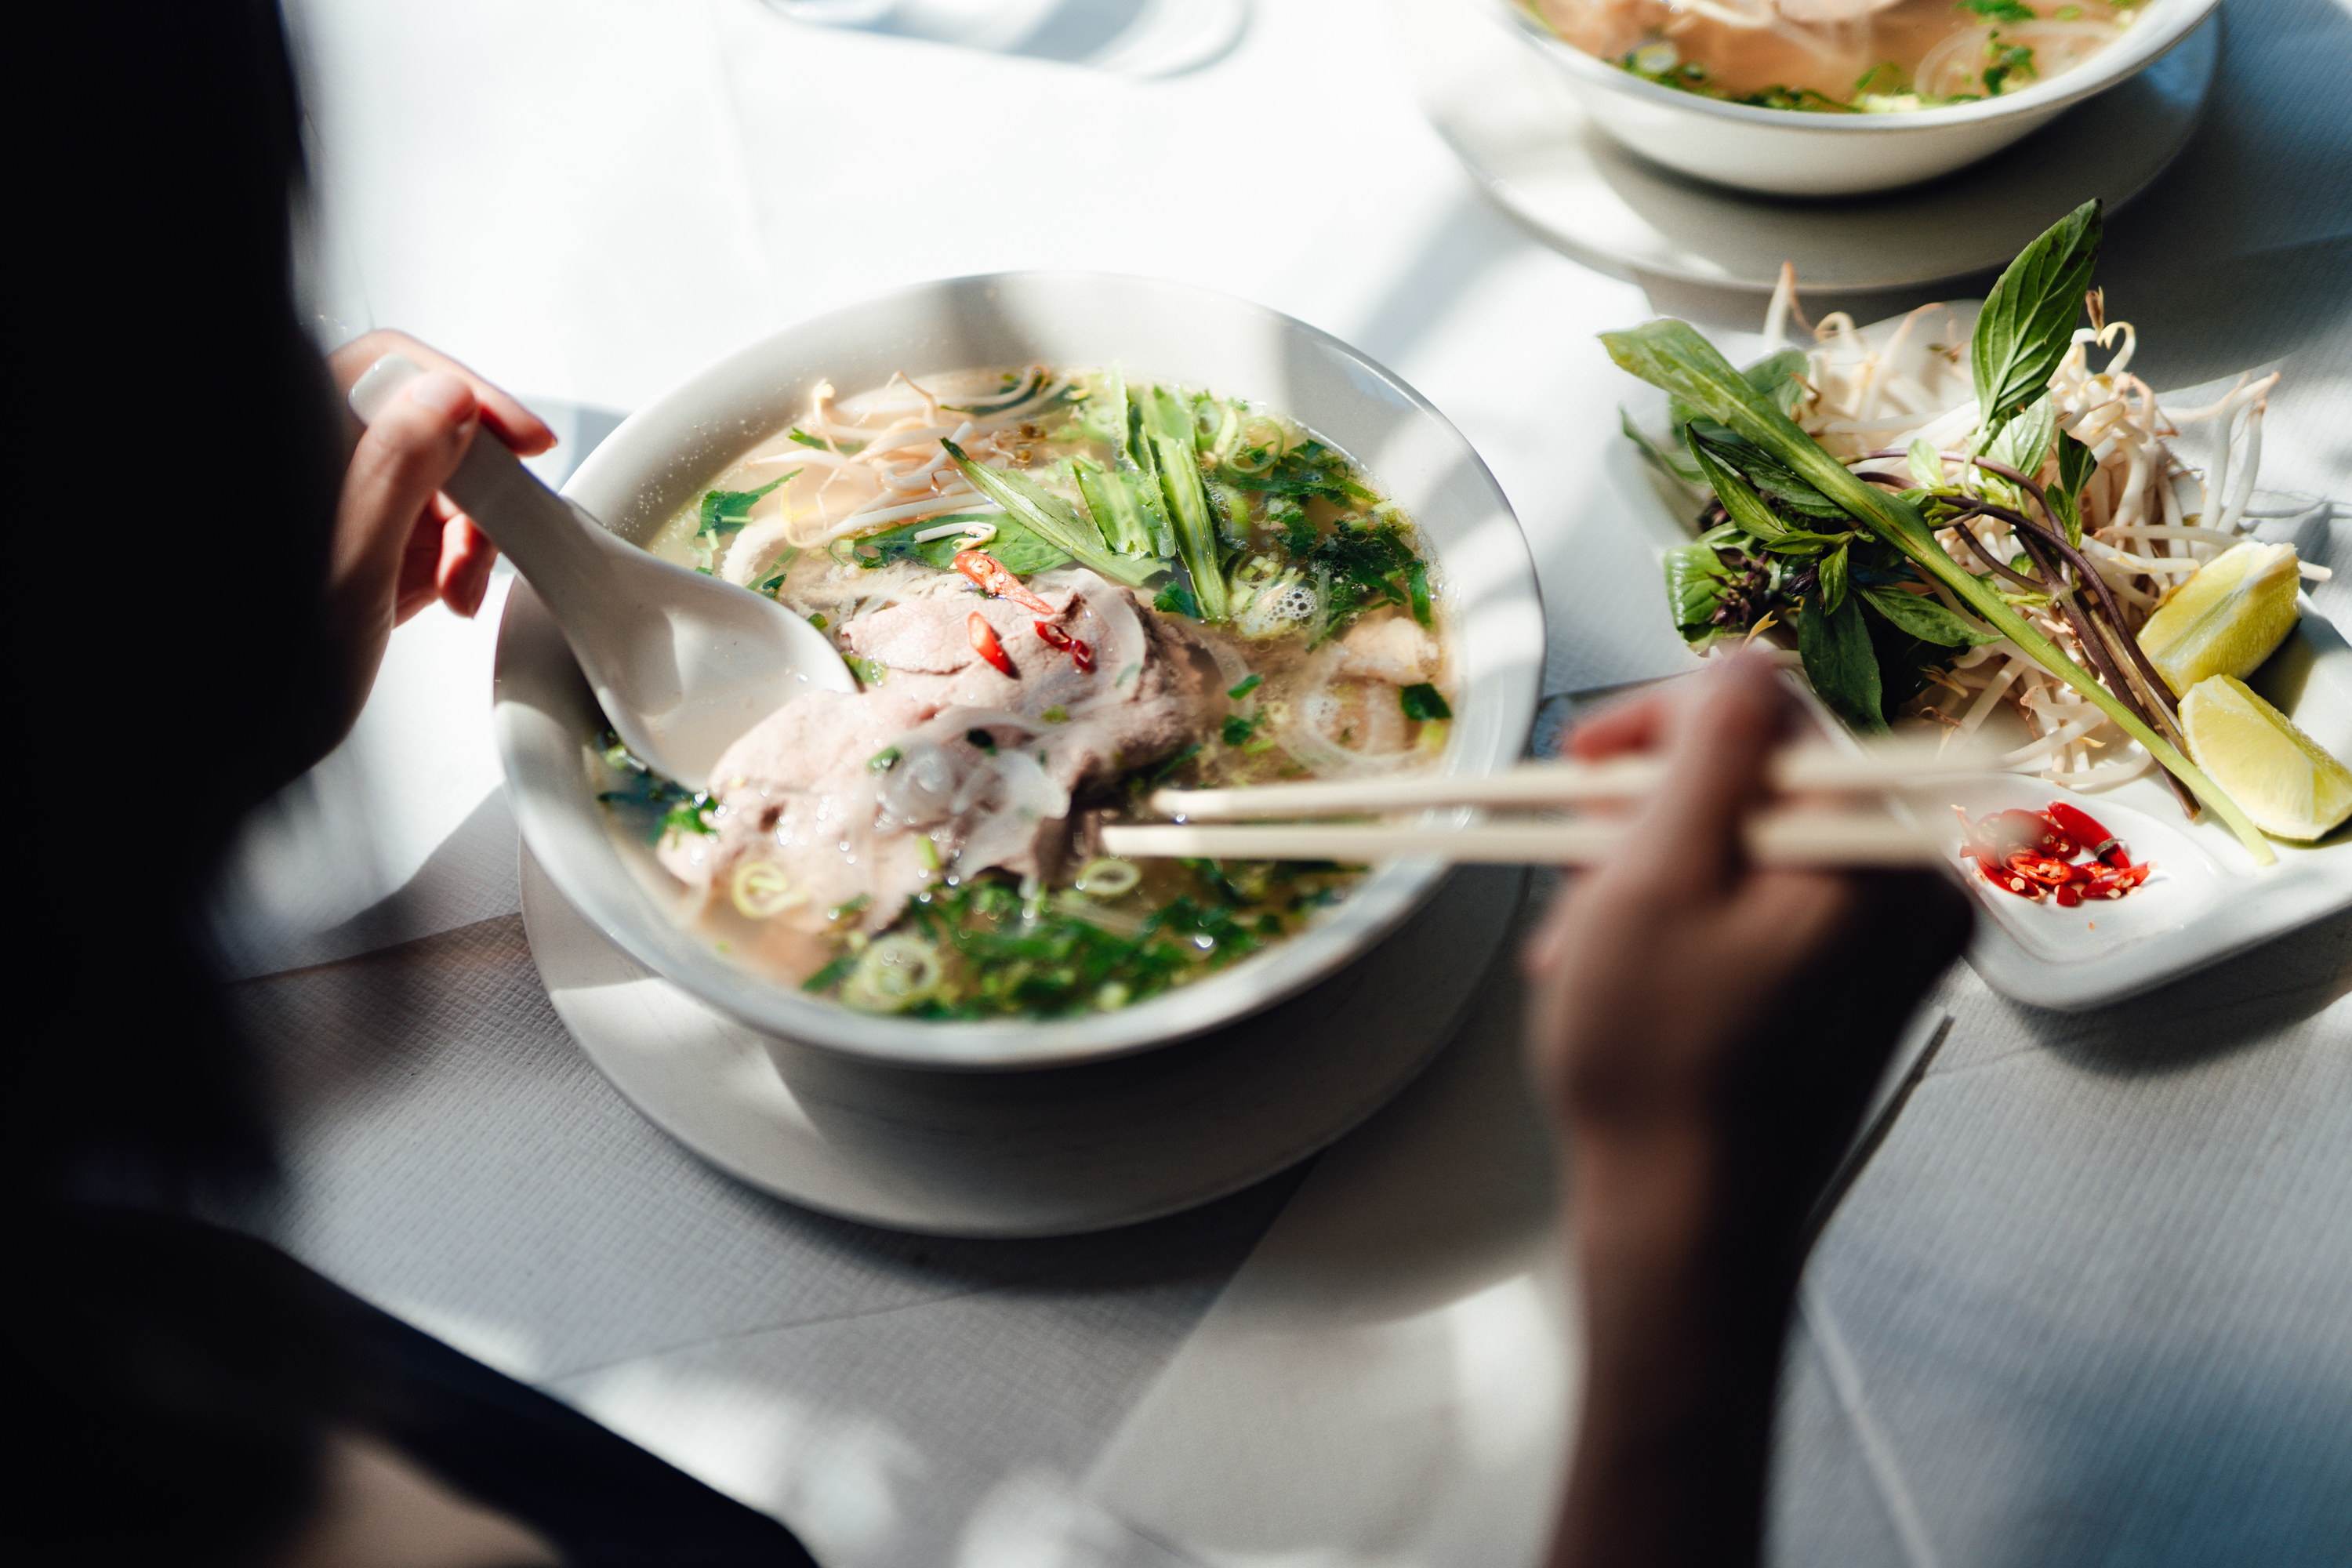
<point x="1869" y="396"/>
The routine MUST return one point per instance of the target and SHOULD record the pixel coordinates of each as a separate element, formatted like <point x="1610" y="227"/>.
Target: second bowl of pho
<point x="1840" y="96"/>
<point x="1076" y="537"/>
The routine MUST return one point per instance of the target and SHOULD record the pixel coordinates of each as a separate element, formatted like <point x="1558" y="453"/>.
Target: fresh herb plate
<point x="2208" y="899"/>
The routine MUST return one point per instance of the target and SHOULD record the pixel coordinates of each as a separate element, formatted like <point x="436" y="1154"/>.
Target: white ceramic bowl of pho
<point x="2071" y="50"/>
<point x="737" y="912"/>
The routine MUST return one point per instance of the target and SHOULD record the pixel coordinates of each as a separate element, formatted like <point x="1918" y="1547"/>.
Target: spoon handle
<point x="551" y="541"/>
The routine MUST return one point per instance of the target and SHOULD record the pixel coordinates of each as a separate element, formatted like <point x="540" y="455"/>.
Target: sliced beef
<point x="839" y="792"/>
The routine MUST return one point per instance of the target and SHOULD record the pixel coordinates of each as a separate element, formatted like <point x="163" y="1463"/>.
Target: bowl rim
<point x="2162" y="25"/>
<point x="1389" y="894"/>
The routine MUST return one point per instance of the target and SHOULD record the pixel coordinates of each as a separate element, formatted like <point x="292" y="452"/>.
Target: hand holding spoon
<point x="681" y="663"/>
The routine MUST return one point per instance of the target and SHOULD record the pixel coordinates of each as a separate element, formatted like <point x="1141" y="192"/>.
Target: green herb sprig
<point x="2024" y="331"/>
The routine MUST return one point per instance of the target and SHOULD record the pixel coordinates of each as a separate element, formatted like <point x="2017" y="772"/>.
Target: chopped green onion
<point x="1423" y="702"/>
<point x="1108" y="877"/>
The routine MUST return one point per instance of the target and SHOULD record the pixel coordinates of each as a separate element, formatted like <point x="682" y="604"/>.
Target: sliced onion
<point x="893" y="973"/>
<point x="760" y="889"/>
<point x="922" y="787"/>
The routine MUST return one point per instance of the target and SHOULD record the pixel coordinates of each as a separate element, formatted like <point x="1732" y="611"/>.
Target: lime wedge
<point x="2276" y="774"/>
<point x="2227" y="619"/>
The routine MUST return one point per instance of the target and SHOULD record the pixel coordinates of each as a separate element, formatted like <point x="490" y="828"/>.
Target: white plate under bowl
<point x="1526" y="139"/>
<point x="1052" y="1152"/>
<point x="662" y="456"/>
<point x="2207" y="899"/>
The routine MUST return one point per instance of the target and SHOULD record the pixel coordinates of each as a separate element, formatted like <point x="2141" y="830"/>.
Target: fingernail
<point x="442" y="393"/>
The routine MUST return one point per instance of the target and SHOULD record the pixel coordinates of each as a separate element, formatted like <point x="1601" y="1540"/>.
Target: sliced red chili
<point x="1081" y="652"/>
<point x="2087" y="831"/>
<point x="992" y="577"/>
<point x="984" y="643"/>
<point x="2032" y="853"/>
<point x="2114" y="881"/>
<point x="2010" y="881"/>
<point x="2015" y="831"/>
<point x="2045" y="870"/>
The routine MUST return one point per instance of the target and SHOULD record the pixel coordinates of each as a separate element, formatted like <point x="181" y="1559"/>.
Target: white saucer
<point x="1514" y="123"/>
<point x="1048" y="1152"/>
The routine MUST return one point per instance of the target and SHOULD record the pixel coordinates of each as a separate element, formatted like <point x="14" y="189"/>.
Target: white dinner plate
<point x="1047" y="1153"/>
<point x="1512" y="119"/>
<point x="2208" y="899"/>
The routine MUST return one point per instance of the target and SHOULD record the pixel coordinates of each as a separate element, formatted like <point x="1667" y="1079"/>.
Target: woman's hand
<point x="1707" y="1033"/>
<point x="400" y="543"/>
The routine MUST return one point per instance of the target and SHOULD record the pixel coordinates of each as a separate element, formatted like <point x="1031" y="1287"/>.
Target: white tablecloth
<point x="2082" y="1304"/>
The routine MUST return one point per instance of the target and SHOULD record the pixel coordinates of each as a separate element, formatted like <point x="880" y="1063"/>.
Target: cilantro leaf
<point x="1423" y="702"/>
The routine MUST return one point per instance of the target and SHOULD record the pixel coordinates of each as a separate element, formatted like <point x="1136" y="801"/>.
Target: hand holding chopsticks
<point x="1837" y="837"/>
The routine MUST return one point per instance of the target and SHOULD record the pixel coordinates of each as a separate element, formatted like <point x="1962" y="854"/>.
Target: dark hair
<point x="182" y="454"/>
<point x="174" y="497"/>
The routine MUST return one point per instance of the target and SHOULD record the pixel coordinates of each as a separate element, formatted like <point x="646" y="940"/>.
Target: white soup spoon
<point x="682" y="663"/>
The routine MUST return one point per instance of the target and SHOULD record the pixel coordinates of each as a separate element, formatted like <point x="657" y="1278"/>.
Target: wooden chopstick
<point x="1774" y="838"/>
<point x="1796" y="770"/>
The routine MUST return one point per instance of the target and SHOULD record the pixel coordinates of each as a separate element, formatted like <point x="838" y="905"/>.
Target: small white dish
<point x="2208" y="899"/>
<point x="1526" y="138"/>
<point x="1795" y="152"/>
<point x="1054" y="1152"/>
<point x="545" y="719"/>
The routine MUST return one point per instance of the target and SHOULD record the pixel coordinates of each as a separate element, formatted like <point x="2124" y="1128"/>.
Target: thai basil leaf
<point x="1832" y="572"/>
<point x="2025" y="441"/>
<point x="2068" y="510"/>
<point x="1694" y="577"/>
<point x="2028" y="321"/>
<point x="1841" y="663"/>
<point x="1924" y="620"/>
<point x="1926" y="464"/>
<point x="2076" y="464"/>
